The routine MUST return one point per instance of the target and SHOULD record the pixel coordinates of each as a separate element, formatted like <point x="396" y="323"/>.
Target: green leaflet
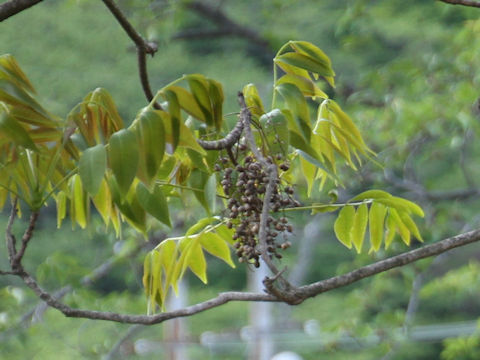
<point x="103" y="202"/>
<point x="200" y="224"/>
<point x="175" y="118"/>
<point x="128" y="205"/>
<point x="402" y="229"/>
<point x="216" y="246"/>
<point x="111" y="122"/>
<point x="188" y="102"/>
<point x="307" y="48"/>
<point x="225" y="233"/>
<point x="216" y="98"/>
<point x="390" y="229"/>
<point x="176" y="255"/>
<point x="195" y="260"/>
<point x="305" y="62"/>
<point x="78" y="203"/>
<point x="346" y="123"/>
<point x="410" y="225"/>
<point x="305" y="85"/>
<point x="275" y="128"/>
<point x="253" y="100"/>
<point x="309" y="171"/>
<point x="123" y="157"/>
<point x="318" y="164"/>
<point x="371" y="194"/>
<point x="61" y="202"/>
<point x="10" y="69"/>
<point x="200" y="91"/>
<point x="91" y="167"/>
<point x="186" y="138"/>
<point x="198" y="180"/>
<point x="210" y="191"/>
<point x="151" y="140"/>
<point x="11" y="129"/>
<point x="344" y="224"/>
<point x="154" y="203"/>
<point x="360" y="227"/>
<point x="376" y="221"/>
<point x="298" y="106"/>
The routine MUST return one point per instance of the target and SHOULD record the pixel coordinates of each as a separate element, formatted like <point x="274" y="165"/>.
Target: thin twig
<point x="470" y="3"/>
<point x="13" y="7"/>
<point x="9" y="236"/>
<point x="217" y="16"/>
<point x="26" y="236"/>
<point x="2" y="272"/>
<point x="143" y="48"/>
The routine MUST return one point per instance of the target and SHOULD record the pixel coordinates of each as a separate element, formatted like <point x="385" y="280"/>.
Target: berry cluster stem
<point x="271" y="171"/>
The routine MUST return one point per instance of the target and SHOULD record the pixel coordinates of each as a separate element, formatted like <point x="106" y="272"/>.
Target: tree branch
<point x="226" y="142"/>
<point x="26" y="237"/>
<point x="470" y="3"/>
<point x="13" y="7"/>
<point x="390" y="263"/>
<point x="143" y="48"/>
<point x="419" y="190"/>
<point x="290" y="295"/>
<point x="226" y="25"/>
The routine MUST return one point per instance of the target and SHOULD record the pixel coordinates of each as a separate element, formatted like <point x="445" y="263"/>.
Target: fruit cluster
<point x="245" y="184"/>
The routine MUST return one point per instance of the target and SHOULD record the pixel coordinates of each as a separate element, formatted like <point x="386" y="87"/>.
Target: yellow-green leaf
<point x="154" y="203"/>
<point x="305" y="62"/>
<point x="402" y="229"/>
<point x="200" y="90"/>
<point x="196" y="261"/>
<point x="309" y="171"/>
<point x="360" y="227"/>
<point x="216" y="98"/>
<point x="344" y="224"/>
<point x="123" y="157"/>
<point x="371" y="194"/>
<point x="78" y="201"/>
<point x="61" y="201"/>
<point x="297" y="105"/>
<point x="253" y="100"/>
<point x="188" y="102"/>
<point x="216" y="246"/>
<point x="151" y="136"/>
<point x="210" y="191"/>
<point x="103" y="202"/>
<point x="14" y="131"/>
<point x="275" y="129"/>
<point x="91" y="168"/>
<point x="312" y="51"/>
<point x="390" y="229"/>
<point x="376" y="221"/>
<point x="410" y="224"/>
<point x="306" y="86"/>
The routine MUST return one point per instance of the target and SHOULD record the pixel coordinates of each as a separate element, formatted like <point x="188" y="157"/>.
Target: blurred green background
<point x="407" y="74"/>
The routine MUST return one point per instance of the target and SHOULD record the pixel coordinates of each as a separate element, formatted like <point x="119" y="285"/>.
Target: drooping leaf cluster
<point x="91" y="159"/>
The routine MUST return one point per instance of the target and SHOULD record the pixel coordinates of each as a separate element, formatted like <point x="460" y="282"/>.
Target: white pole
<point x="260" y="345"/>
